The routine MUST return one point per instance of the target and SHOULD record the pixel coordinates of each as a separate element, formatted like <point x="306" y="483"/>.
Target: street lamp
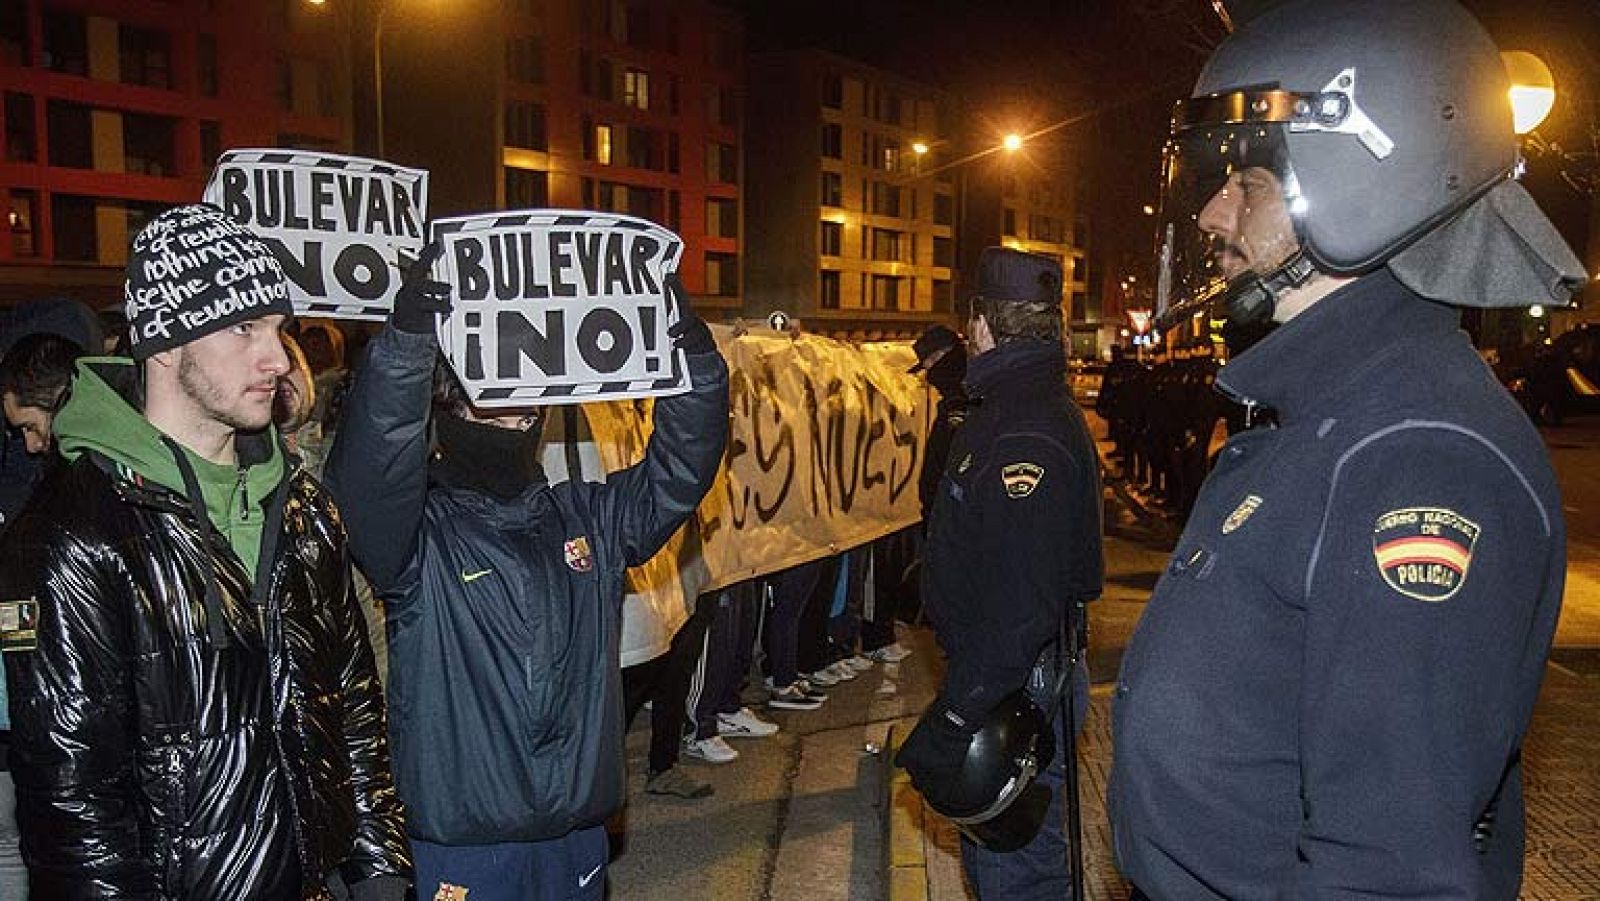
<point x="1013" y="142"/>
<point x="920" y="148"/>
<point x="1533" y="89"/>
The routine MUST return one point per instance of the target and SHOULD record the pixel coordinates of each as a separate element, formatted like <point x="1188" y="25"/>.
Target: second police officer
<point x="1013" y="550"/>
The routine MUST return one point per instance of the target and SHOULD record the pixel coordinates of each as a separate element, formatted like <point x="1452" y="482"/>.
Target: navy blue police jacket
<point x="1329" y="688"/>
<point x="504" y="617"/>
<point x="1014" y="541"/>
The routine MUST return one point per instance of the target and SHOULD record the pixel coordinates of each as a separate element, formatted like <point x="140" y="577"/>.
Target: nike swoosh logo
<point x="585" y="880"/>
<point x="469" y="578"/>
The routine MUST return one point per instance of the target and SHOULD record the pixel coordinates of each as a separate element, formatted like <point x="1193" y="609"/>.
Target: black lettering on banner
<point x="504" y="266"/>
<point x="616" y="266"/>
<point x="876" y="426"/>
<point x="292" y="217"/>
<point x="532" y="288"/>
<point x="604" y="340"/>
<point x="519" y="338"/>
<point x="350" y="192"/>
<point x="361" y="271"/>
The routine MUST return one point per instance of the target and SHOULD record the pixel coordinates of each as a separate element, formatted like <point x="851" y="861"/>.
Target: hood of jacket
<point x="101" y="416"/>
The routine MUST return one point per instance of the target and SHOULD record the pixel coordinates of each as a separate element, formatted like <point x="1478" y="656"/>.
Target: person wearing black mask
<point x="942" y="358"/>
<point x="504" y="601"/>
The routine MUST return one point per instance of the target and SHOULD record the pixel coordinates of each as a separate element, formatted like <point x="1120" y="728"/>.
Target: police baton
<point x="1074" y="640"/>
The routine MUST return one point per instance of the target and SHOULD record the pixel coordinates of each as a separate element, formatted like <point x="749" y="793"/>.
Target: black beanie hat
<point x="193" y="271"/>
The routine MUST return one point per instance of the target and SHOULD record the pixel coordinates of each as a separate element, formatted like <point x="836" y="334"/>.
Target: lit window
<point x="636" y="88"/>
<point x="602" y="144"/>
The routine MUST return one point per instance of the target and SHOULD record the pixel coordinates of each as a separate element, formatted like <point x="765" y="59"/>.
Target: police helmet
<point x="1372" y="123"/>
<point x="1014" y="743"/>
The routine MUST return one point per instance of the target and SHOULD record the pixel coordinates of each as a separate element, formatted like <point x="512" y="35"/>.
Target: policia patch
<point x="1424" y="552"/>
<point x="1021" y="478"/>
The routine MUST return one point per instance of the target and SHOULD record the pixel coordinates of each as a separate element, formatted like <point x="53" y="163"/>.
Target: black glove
<point x="421" y="299"/>
<point x="934" y="753"/>
<point x="691" y="334"/>
<point x="380" y="888"/>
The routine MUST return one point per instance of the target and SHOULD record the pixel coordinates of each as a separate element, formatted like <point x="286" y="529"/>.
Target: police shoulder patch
<point x="1021" y="478"/>
<point x="1424" y="552"/>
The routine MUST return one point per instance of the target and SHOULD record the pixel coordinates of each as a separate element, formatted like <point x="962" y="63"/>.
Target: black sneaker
<point x="791" y="697"/>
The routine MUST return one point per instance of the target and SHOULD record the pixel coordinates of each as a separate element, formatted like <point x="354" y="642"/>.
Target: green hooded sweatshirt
<point x="97" y="417"/>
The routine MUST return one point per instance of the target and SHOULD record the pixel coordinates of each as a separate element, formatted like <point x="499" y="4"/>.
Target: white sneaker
<point x="893" y="653"/>
<point x="744" y="724"/>
<point x="711" y="750"/>
<point x="858" y="663"/>
<point x="843" y="671"/>
<point x="824" y="677"/>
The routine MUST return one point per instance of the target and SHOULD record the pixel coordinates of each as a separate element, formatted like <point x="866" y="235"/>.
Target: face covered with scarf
<point x="497" y="455"/>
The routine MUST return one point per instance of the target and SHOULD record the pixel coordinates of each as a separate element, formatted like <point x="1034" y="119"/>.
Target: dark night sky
<point x="1033" y="62"/>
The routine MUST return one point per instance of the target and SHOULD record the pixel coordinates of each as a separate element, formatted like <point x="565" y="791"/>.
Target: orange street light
<point x="1013" y="142"/>
<point x="1533" y="89"/>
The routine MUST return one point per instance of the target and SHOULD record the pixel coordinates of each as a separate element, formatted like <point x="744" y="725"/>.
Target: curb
<point x="907" y="857"/>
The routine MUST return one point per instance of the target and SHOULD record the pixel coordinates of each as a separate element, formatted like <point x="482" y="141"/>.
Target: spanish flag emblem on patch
<point x="1424" y="552"/>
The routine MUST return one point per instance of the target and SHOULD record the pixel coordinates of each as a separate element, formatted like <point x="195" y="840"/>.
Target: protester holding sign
<point x="194" y="709"/>
<point x="504" y="595"/>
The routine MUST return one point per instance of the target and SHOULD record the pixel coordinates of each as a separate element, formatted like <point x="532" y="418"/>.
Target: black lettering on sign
<point x="560" y="261"/>
<point x="361" y="271"/>
<point x="269" y="198"/>
<point x="305" y="270"/>
<point x="518" y="338"/>
<point x="377" y="212"/>
<point x="588" y="247"/>
<point x="321" y="200"/>
<point x="644" y="250"/>
<point x="236" y="194"/>
<point x="472" y="279"/>
<point x="877" y="412"/>
<point x="604" y="340"/>
<point x="404" y="203"/>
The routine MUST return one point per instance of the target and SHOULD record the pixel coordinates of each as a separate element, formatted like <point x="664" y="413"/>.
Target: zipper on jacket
<point x="244" y="495"/>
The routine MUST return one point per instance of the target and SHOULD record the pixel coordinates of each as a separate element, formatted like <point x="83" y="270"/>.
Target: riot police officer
<point x="1013" y="548"/>
<point x="1328" y="690"/>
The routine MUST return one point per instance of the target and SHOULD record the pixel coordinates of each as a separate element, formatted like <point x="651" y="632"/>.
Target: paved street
<point x="802" y="815"/>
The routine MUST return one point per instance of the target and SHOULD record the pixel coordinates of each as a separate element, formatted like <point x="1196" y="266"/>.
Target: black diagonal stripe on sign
<point x="384" y="170"/>
<point x="327" y="163"/>
<point x="446" y="228"/>
<point x="574" y="220"/>
<point x="277" y="158"/>
<point x="496" y="393"/>
<point x="511" y="222"/>
<point x="614" y="387"/>
<point x="559" y="391"/>
<point x="637" y="225"/>
<point x="664" y="384"/>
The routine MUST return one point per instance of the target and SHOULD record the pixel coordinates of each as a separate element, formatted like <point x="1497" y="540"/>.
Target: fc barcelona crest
<point x="1424" y="552"/>
<point x="579" y="559"/>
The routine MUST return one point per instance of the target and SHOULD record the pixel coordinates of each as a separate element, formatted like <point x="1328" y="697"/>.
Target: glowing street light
<point x="1149" y="210"/>
<point x="919" y="147"/>
<point x="1533" y="89"/>
<point x="1013" y="142"/>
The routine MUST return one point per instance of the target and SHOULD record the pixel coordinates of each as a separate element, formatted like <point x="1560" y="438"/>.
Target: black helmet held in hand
<point x="1007" y="752"/>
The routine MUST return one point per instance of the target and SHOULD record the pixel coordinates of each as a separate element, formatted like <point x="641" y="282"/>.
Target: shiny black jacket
<point x="1015" y="539"/>
<point x="505" y="616"/>
<point x="151" y="763"/>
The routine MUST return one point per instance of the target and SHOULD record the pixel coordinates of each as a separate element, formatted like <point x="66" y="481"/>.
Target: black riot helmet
<point x="1346" y="134"/>
<point x="1006" y="754"/>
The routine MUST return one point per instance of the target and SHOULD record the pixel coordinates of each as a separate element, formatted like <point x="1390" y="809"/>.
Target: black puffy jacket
<point x="151" y="762"/>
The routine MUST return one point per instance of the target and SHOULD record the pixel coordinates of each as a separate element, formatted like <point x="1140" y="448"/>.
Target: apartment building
<point x="851" y="222"/>
<point x="114" y="110"/>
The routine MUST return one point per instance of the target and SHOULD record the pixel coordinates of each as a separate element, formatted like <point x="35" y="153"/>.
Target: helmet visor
<point x="1229" y="210"/>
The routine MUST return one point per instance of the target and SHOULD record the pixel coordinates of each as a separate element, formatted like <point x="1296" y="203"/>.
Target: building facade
<point x="854" y="230"/>
<point x="116" y="109"/>
<point x="629" y="106"/>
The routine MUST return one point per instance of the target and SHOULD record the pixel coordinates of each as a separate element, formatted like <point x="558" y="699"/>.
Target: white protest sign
<point x="559" y="307"/>
<point x="338" y="224"/>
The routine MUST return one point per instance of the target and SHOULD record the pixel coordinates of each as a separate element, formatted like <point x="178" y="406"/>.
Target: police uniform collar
<point x="1311" y="357"/>
<point x="1020" y="363"/>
